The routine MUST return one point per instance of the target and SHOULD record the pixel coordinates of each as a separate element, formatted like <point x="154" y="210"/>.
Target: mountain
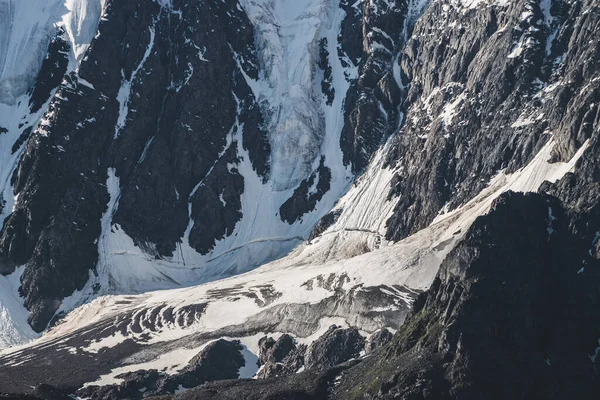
<point x="206" y="190"/>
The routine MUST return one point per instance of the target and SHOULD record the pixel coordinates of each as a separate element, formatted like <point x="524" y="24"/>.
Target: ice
<point x="14" y="329"/>
<point x="287" y="32"/>
<point x="355" y="245"/>
<point x="80" y="23"/>
<point x="413" y="262"/>
<point x="125" y="268"/>
<point x="26" y="28"/>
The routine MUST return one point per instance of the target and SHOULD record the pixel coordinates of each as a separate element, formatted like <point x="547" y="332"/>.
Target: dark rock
<point x="325" y="65"/>
<point x="470" y="68"/>
<point x="378" y="339"/>
<point x="280" y="357"/>
<point x="336" y="346"/>
<point x="491" y="325"/>
<point x="310" y="385"/>
<point x="271" y="350"/>
<point x="306" y="196"/>
<point x="172" y="140"/>
<point x="371" y="105"/>
<point x="324" y="223"/>
<point x="22" y="139"/>
<point x="493" y="312"/>
<point x="52" y="71"/>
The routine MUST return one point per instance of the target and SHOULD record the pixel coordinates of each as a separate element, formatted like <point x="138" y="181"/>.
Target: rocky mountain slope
<point x="357" y="153"/>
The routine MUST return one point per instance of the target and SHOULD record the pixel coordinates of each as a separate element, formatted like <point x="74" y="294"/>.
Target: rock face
<point x="336" y="346"/>
<point x="378" y="339"/>
<point x="492" y="301"/>
<point x="497" y="81"/>
<point x="159" y="139"/>
<point x="371" y="107"/>
<point x="280" y="357"/>
<point x="134" y="113"/>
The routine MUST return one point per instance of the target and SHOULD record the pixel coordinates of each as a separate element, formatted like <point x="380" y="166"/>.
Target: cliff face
<point x="188" y="141"/>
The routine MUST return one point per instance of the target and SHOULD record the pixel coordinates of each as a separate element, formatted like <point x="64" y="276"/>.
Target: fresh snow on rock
<point x="26" y="29"/>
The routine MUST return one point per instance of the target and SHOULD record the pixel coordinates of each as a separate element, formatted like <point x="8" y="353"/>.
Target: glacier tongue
<point x="263" y="300"/>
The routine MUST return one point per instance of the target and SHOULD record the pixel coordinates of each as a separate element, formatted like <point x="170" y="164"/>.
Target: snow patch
<point x="14" y="329"/>
<point x="125" y="89"/>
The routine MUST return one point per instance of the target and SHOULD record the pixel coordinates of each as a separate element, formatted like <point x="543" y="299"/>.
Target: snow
<point x="125" y="89"/>
<point x="83" y="82"/>
<point x="249" y="369"/>
<point x="15" y="117"/>
<point x="80" y="23"/>
<point x="412" y="262"/>
<point x="452" y="109"/>
<point x="14" y="329"/>
<point x="472" y="4"/>
<point x="303" y="127"/>
<point x="26" y="28"/>
<point x="170" y="362"/>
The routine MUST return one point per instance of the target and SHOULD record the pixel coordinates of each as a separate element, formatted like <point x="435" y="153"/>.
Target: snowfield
<point x="309" y="276"/>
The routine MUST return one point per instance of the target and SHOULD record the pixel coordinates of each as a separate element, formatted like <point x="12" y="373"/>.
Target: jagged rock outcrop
<point x="174" y="142"/>
<point x="491" y="324"/>
<point x="378" y="339"/>
<point x="336" y="346"/>
<point x="162" y="112"/>
<point x="280" y="357"/>
<point x="371" y="106"/>
<point x="219" y="360"/>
